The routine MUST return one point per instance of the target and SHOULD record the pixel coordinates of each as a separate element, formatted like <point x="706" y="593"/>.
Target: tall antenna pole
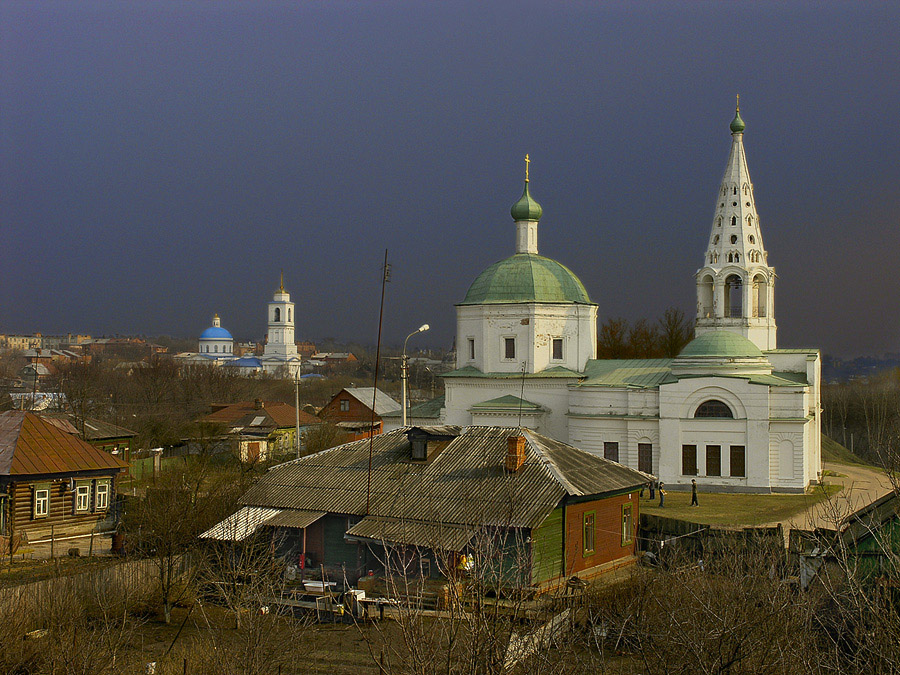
<point x="385" y="277"/>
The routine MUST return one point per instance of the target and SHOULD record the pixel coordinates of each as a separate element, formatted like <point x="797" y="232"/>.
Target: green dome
<point x="526" y="277"/>
<point x="526" y="208"/>
<point x="737" y="124"/>
<point x="721" y="344"/>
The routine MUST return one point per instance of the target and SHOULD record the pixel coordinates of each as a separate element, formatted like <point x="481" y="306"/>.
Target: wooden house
<point x="532" y="510"/>
<point x="354" y="409"/>
<point x="260" y="430"/>
<point x="52" y="482"/>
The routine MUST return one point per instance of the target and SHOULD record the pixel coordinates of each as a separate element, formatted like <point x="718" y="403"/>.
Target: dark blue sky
<point x="160" y="162"/>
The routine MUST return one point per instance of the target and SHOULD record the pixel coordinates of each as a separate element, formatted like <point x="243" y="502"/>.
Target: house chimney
<point x="515" y="453"/>
<point x="258" y="404"/>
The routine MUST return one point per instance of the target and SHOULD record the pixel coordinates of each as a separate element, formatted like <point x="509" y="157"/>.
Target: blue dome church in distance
<point x="216" y="342"/>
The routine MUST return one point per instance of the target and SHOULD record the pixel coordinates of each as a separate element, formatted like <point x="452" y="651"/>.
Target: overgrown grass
<point x="832" y="451"/>
<point x="730" y="509"/>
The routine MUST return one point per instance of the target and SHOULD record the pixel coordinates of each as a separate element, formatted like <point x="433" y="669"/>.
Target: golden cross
<point x="527" y="162"/>
<point x="738" y="105"/>
<point x="282" y="280"/>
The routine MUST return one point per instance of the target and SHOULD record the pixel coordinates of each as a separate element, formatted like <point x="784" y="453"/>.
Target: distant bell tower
<point x="280" y="342"/>
<point x="736" y="286"/>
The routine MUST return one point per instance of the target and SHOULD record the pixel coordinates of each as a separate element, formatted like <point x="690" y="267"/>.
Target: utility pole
<point x="297" y="410"/>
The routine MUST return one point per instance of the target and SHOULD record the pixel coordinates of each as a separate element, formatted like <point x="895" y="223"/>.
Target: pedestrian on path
<point x="694" y="501"/>
<point x="662" y="495"/>
<point x="652" y="490"/>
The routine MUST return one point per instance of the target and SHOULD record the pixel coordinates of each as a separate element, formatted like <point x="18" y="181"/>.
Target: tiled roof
<point x="465" y="483"/>
<point x="30" y="445"/>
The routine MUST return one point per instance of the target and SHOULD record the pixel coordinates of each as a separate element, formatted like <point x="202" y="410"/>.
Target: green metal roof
<point x="527" y="207"/>
<point x="722" y="344"/>
<point x="630" y="373"/>
<point x="526" y="277"/>
<point x="427" y="409"/>
<point x="556" y="371"/>
<point x="506" y="403"/>
<point x="807" y="350"/>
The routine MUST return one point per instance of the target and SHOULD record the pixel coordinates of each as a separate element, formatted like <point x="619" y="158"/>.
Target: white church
<point x="280" y="357"/>
<point x="732" y="411"/>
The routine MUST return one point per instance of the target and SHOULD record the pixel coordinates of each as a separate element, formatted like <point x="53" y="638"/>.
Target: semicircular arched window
<point x="714" y="408"/>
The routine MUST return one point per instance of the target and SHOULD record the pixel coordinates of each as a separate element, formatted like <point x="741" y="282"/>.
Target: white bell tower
<point x="736" y="286"/>
<point x="280" y="342"/>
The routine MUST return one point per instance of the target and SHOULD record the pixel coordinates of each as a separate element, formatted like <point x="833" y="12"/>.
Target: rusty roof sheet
<point x="438" y="536"/>
<point x="465" y="483"/>
<point x="282" y="414"/>
<point x="29" y="445"/>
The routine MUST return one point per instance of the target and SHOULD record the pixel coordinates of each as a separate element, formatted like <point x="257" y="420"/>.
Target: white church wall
<point x="533" y="326"/>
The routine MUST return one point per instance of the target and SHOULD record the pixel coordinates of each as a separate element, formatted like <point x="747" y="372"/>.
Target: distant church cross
<point x="527" y="162"/>
<point x="282" y="280"/>
<point x="738" y="105"/>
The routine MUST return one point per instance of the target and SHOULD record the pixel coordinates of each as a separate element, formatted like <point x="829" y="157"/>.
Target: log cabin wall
<point x="62" y="519"/>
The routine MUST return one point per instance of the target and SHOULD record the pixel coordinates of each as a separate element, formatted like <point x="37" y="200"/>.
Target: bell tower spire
<point x="735" y="286"/>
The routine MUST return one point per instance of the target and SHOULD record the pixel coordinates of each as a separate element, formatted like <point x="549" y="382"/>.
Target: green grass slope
<point x="832" y="451"/>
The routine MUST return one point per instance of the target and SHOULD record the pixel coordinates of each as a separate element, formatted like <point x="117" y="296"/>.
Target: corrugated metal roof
<point x="94" y="430"/>
<point x="465" y="483"/>
<point x="240" y="525"/>
<point x="438" y="536"/>
<point x="30" y="445"/>
<point x="294" y="518"/>
<point x="632" y="373"/>
<point x="384" y="404"/>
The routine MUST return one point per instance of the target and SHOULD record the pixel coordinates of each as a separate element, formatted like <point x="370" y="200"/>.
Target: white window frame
<point x="82" y="497"/>
<point x="345" y="405"/>
<point x="562" y="348"/>
<point x="102" y="496"/>
<point x="41" y="497"/>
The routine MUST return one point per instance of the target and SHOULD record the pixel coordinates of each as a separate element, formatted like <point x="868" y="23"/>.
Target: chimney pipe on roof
<point x="258" y="404"/>
<point x="515" y="453"/>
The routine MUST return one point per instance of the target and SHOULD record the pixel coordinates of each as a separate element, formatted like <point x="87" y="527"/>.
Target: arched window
<point x="746" y="189"/>
<point x="715" y="256"/>
<point x="719" y="222"/>
<point x="733" y="221"/>
<point x="207" y="349"/>
<point x="737" y="257"/>
<point x="752" y="240"/>
<point x="734" y="190"/>
<point x="277" y="314"/>
<point x="289" y="314"/>
<point x="734" y="239"/>
<point x="714" y="408"/>
<point x="706" y="298"/>
<point x="734" y="297"/>
<point x="749" y="221"/>
<point x="760" y="296"/>
<point x="716" y="239"/>
<point x="216" y="349"/>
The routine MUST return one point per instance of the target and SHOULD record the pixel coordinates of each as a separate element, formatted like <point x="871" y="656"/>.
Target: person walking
<point x="652" y="490"/>
<point x="662" y="495"/>
<point x="694" y="501"/>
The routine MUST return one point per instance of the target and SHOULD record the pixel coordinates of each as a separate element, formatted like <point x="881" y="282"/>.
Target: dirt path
<point x="862" y="486"/>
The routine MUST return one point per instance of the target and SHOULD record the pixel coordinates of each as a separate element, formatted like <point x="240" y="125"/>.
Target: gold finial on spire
<point x="737" y="106"/>
<point x="527" y="162"/>
<point x="282" y="280"/>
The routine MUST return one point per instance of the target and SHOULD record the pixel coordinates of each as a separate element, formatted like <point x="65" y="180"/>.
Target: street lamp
<point x="404" y="369"/>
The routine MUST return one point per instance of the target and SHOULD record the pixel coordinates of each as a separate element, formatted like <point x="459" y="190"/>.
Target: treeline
<point x="864" y="416"/>
<point x="665" y="338"/>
